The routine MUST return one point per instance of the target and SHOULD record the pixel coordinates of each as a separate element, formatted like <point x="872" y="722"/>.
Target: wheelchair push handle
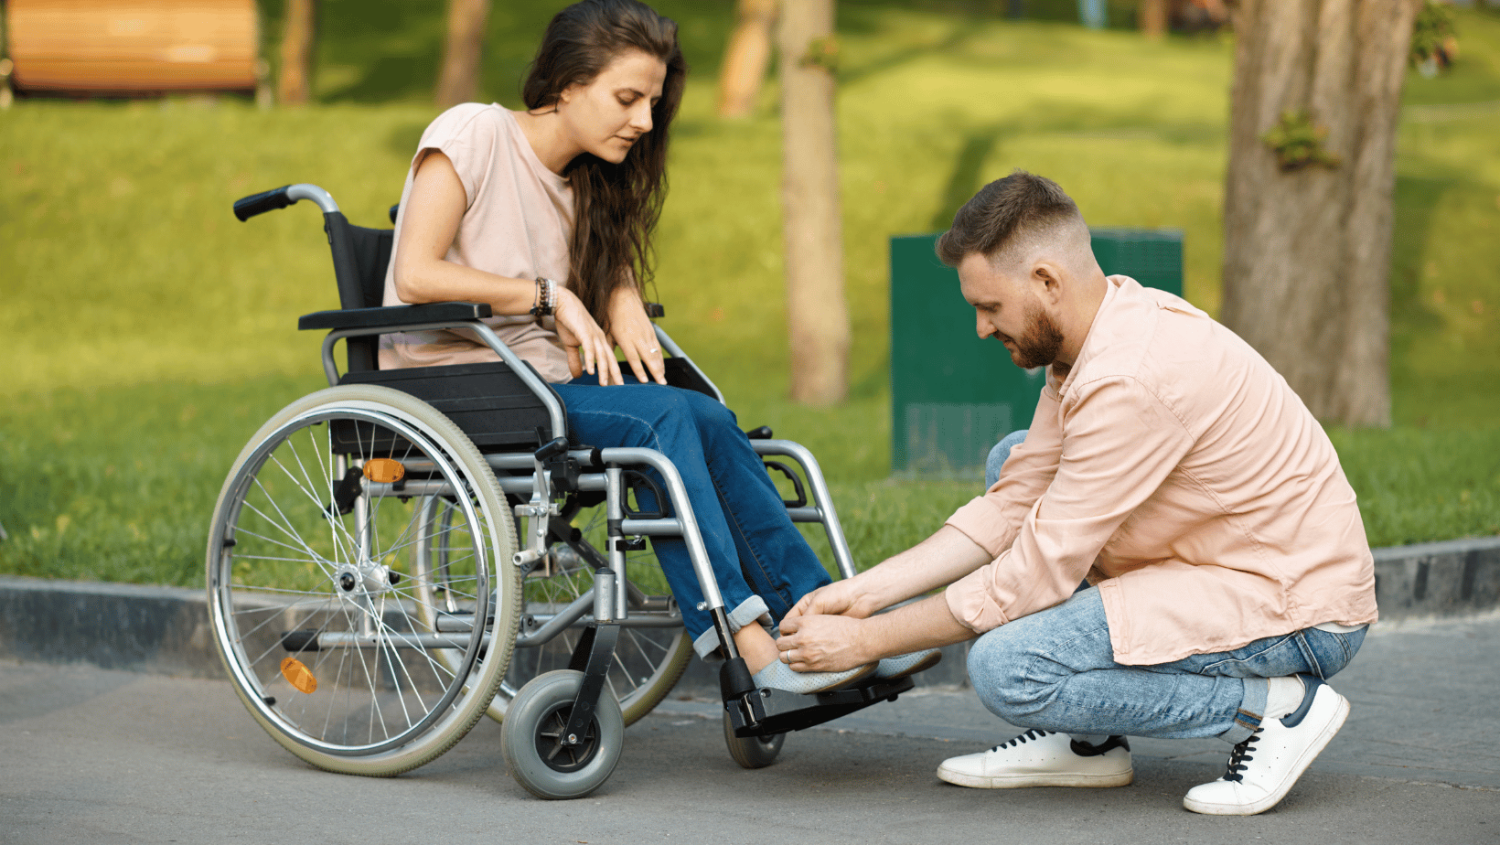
<point x="247" y="207"/>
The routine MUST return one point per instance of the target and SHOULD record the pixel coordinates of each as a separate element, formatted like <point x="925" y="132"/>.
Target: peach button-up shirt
<point x="1178" y="471"/>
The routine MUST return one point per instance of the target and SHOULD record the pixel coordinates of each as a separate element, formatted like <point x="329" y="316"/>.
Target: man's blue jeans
<point x="1055" y="670"/>
<point x="760" y="559"/>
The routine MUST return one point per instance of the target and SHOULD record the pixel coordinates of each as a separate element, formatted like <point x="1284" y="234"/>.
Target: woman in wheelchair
<point x="546" y="214"/>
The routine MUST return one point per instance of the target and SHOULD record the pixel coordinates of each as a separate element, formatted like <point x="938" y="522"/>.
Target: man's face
<point x="1007" y="309"/>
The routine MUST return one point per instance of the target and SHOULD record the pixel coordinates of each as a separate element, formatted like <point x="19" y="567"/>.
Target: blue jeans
<point x="998" y="454"/>
<point x="1055" y="670"/>
<point x="759" y="558"/>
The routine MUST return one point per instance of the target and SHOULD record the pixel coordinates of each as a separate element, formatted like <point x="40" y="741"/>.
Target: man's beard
<point x="1041" y="343"/>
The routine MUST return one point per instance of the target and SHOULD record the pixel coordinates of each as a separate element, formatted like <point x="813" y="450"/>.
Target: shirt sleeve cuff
<point x="970" y="603"/>
<point x="977" y="521"/>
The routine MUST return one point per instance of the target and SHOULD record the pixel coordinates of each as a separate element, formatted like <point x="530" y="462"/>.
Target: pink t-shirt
<point x="517" y="224"/>
<point x="1178" y="470"/>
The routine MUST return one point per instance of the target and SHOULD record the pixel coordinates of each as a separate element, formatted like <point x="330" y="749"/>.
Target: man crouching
<point x="1174" y="470"/>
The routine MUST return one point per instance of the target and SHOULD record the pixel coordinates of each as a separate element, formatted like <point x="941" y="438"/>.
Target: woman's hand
<point x="631" y="330"/>
<point x="589" y="349"/>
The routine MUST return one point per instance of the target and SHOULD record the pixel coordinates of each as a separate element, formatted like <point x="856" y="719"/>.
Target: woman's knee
<point x="707" y="410"/>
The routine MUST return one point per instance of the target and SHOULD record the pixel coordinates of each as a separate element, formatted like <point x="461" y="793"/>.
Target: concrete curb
<point x="165" y="630"/>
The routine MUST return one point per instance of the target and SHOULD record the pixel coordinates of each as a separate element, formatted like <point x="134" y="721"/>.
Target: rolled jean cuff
<point x="750" y="610"/>
<point x="1252" y="709"/>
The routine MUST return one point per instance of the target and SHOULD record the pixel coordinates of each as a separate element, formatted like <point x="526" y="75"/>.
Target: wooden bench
<point x="133" y="47"/>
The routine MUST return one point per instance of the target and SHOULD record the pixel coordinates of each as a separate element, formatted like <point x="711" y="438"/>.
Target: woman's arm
<point x="429" y="225"/>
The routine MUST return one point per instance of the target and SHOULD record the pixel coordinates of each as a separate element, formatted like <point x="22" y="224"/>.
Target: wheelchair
<point x="395" y="556"/>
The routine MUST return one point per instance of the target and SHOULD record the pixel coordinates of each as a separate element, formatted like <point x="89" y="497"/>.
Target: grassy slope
<point x="150" y="333"/>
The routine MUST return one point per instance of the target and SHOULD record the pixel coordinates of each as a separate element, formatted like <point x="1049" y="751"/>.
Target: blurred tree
<point x="746" y="58"/>
<point x="297" y="38"/>
<point x="1308" y="194"/>
<point x="1152" y="18"/>
<point x="817" y="315"/>
<point x="458" y="81"/>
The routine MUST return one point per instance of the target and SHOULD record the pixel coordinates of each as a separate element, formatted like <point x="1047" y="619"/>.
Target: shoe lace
<point x="1031" y="734"/>
<point x="1239" y="756"/>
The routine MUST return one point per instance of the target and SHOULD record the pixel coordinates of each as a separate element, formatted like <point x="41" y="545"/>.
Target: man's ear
<point x="1047" y="277"/>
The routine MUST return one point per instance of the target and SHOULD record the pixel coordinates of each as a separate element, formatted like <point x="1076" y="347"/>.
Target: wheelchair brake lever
<point x="540" y="510"/>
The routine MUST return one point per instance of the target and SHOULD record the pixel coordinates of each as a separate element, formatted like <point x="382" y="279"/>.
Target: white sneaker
<point x="1042" y="758"/>
<point x="1263" y="768"/>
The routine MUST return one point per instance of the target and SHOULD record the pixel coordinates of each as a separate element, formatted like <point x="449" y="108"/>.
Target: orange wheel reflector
<point x="298" y="675"/>
<point x="384" y="471"/>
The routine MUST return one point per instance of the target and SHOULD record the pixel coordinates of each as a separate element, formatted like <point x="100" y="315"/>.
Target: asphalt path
<point x="89" y="755"/>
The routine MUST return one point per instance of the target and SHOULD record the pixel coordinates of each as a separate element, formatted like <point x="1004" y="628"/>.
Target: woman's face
<point x="606" y="116"/>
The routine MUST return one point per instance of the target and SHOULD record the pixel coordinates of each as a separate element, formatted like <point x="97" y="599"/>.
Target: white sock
<point x="1284" y="696"/>
<point x="1091" y="739"/>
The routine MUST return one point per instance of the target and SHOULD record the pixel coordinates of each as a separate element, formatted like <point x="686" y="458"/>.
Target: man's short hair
<point x="1003" y="213"/>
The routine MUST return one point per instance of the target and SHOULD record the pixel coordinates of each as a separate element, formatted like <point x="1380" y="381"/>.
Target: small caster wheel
<point x="533" y="742"/>
<point x="752" y="752"/>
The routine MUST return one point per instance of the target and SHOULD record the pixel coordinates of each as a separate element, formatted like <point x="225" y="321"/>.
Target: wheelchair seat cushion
<point x="489" y="402"/>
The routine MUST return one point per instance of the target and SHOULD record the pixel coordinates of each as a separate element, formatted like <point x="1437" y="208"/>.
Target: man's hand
<point x="841" y="598"/>
<point x="822" y="643"/>
<point x="631" y="330"/>
<point x="833" y="643"/>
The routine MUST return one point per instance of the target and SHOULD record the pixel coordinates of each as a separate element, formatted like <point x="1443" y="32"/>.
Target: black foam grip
<point x="247" y="207"/>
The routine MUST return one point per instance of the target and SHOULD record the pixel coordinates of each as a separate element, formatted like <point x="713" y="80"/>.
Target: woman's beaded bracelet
<point x="546" y="298"/>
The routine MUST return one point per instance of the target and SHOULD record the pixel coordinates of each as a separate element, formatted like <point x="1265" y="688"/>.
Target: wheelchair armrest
<point x="394" y="316"/>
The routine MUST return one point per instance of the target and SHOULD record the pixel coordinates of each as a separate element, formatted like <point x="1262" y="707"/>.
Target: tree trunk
<point x="817" y="316"/>
<point x="1152" y="19"/>
<point x="458" y="82"/>
<point x="746" y="58"/>
<point x="297" y="38"/>
<point x="1307" y="250"/>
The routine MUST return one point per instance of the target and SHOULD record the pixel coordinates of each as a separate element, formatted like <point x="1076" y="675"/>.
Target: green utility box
<point x="953" y="396"/>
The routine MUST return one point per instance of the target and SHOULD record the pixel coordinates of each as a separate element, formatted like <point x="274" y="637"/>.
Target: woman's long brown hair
<point x="615" y="206"/>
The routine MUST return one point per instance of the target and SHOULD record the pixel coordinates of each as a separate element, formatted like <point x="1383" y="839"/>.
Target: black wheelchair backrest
<point x="360" y="259"/>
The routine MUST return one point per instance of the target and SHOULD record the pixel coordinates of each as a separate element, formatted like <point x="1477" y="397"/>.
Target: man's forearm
<point x="924" y="624"/>
<point x="938" y="561"/>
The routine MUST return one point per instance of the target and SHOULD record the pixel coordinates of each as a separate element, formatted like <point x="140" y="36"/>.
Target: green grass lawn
<point x="149" y="332"/>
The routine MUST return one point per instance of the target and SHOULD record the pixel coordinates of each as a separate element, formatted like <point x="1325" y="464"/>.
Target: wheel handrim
<point x="393" y="691"/>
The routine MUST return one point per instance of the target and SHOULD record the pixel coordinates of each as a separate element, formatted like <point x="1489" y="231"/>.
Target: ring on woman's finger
<point x="654" y="349"/>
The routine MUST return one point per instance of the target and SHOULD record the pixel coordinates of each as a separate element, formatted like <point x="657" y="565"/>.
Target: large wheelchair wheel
<point x="315" y="608"/>
<point x="648" y="660"/>
<point x="535" y="746"/>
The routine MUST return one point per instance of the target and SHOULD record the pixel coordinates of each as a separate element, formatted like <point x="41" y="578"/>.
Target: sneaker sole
<point x="922" y="666"/>
<point x="1340" y="713"/>
<point x="1022" y="781"/>
<point x="869" y="669"/>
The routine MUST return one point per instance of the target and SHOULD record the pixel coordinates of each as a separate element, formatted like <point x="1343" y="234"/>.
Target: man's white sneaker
<point x="1263" y="768"/>
<point x="1042" y="758"/>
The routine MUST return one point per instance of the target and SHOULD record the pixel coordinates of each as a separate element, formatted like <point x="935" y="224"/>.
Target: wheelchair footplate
<point x="768" y="712"/>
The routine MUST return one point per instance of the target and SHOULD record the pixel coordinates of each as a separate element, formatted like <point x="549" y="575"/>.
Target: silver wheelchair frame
<point x="562" y="730"/>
